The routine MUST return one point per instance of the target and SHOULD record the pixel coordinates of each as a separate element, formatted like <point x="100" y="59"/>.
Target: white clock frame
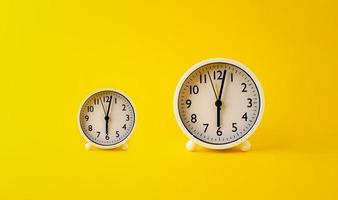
<point x="123" y="144"/>
<point x="191" y="144"/>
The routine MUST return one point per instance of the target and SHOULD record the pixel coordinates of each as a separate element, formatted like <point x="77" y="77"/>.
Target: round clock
<point x="107" y="119"/>
<point x="218" y="104"/>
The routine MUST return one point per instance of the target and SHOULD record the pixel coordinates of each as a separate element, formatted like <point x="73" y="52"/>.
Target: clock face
<point x="218" y="103"/>
<point x="107" y="118"/>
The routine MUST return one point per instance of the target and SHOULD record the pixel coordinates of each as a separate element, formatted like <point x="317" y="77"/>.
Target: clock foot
<point x="245" y="146"/>
<point x="191" y="146"/>
<point x="124" y="146"/>
<point x="88" y="146"/>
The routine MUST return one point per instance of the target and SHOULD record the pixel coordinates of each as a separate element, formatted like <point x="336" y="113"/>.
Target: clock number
<point x="90" y="128"/>
<point x="90" y="108"/>
<point x="218" y="75"/>
<point x="245" y="117"/>
<point x="124" y="107"/>
<point x="127" y="117"/>
<point x="188" y="102"/>
<point x="219" y="132"/>
<point x="107" y="137"/>
<point x="115" y="100"/>
<point x="234" y="127"/>
<point x="124" y="126"/>
<point x="98" y="134"/>
<point x="193" y="118"/>
<point x="96" y="101"/>
<point x="244" y="88"/>
<point x="107" y="99"/>
<point x="87" y="117"/>
<point x="206" y="127"/>
<point x="203" y="78"/>
<point x="117" y="134"/>
<point x="250" y="102"/>
<point x="232" y="77"/>
<point x="194" y="89"/>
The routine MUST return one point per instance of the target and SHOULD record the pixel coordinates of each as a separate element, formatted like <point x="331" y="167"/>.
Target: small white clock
<point x="107" y="119"/>
<point x="218" y="104"/>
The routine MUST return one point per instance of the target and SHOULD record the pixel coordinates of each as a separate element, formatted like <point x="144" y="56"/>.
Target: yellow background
<point x="53" y="53"/>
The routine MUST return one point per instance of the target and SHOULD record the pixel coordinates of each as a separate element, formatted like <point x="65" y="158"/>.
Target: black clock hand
<point x="106" y="124"/>
<point x="212" y="85"/>
<point x="107" y="115"/>
<point x="109" y="105"/>
<point x="103" y="107"/>
<point x="219" y="102"/>
<point x="218" y="113"/>
<point x="222" y="85"/>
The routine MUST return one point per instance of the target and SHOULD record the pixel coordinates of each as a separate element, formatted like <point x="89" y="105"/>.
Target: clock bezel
<point x="114" y="145"/>
<point x="180" y="85"/>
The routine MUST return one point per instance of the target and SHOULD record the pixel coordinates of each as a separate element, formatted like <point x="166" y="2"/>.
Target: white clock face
<point x="214" y="114"/>
<point x="107" y="118"/>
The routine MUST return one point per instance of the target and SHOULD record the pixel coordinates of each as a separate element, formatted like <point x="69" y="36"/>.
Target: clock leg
<point x="124" y="146"/>
<point x="245" y="146"/>
<point x="191" y="146"/>
<point x="88" y="146"/>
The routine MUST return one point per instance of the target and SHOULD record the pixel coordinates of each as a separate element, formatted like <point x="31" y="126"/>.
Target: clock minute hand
<point x="218" y="114"/>
<point x="219" y="102"/>
<point x="107" y="115"/>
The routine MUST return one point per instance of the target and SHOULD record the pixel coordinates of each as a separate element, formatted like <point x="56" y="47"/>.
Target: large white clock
<point x="218" y="104"/>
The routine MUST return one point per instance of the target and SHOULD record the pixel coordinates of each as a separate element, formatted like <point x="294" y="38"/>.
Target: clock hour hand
<point x="107" y="115"/>
<point x="222" y="85"/>
<point x="219" y="102"/>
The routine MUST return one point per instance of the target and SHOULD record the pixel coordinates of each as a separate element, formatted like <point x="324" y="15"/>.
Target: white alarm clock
<point x="107" y="119"/>
<point x="218" y="104"/>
